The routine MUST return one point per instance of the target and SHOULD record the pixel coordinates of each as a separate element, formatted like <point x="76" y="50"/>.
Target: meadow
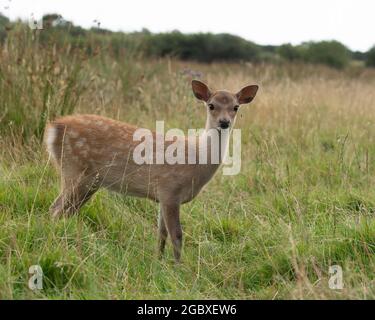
<point x="303" y="201"/>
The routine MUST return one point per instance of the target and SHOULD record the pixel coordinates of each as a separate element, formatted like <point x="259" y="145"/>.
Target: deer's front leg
<point x="163" y="233"/>
<point x="171" y="216"/>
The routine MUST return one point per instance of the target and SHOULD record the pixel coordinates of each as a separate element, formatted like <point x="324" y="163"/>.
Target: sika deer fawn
<point x="92" y="152"/>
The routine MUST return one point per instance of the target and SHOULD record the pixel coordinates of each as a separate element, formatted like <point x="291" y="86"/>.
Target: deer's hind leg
<point x="75" y="193"/>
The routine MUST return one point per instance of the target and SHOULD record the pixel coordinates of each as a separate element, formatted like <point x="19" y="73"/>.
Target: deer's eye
<point x="236" y="108"/>
<point x="211" y="106"/>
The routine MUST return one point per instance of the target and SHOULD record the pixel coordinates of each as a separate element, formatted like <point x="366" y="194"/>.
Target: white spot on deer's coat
<point x="80" y="143"/>
<point x="73" y="134"/>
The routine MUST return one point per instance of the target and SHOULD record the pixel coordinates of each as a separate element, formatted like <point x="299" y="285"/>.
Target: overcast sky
<point x="263" y="21"/>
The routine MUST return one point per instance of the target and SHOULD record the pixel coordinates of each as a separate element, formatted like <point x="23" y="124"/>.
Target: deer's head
<point x="222" y="105"/>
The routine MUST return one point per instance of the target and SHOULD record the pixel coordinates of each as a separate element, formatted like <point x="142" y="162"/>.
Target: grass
<point x="304" y="200"/>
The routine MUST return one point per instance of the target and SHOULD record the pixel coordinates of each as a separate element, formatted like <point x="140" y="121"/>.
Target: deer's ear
<point x="247" y="94"/>
<point x="201" y="91"/>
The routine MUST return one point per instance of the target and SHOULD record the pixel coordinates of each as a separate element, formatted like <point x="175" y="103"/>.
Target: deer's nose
<point x="224" y="124"/>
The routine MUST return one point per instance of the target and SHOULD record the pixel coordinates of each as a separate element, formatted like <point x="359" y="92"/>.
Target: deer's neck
<point x="215" y="143"/>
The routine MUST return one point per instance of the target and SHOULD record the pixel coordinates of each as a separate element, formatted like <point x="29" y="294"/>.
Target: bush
<point x="370" y="57"/>
<point x="288" y="52"/>
<point x="202" y="47"/>
<point x="4" y="22"/>
<point x="331" y="53"/>
<point x="205" y="47"/>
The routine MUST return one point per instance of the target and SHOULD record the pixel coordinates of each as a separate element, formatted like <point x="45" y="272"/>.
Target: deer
<point x="92" y="151"/>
